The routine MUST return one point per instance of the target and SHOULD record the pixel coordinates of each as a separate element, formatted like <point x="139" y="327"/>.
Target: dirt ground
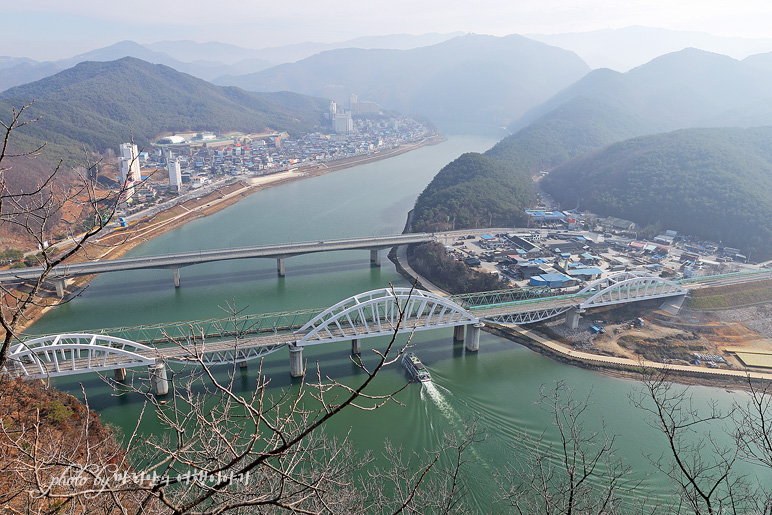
<point x="670" y="339"/>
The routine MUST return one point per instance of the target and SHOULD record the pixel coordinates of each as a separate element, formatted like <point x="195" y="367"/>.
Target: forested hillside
<point x="714" y="183"/>
<point x="101" y="104"/>
<point x="679" y="90"/>
<point x="473" y="191"/>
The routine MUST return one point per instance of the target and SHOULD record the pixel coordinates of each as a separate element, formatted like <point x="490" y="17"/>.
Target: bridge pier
<point x="375" y="258"/>
<point x="159" y="383"/>
<point x="458" y="334"/>
<point x="280" y="266"/>
<point x="472" y="340"/>
<point x="356" y="346"/>
<point x="60" y="285"/>
<point x="176" y="277"/>
<point x="296" y="360"/>
<point x="120" y="374"/>
<point x="572" y="319"/>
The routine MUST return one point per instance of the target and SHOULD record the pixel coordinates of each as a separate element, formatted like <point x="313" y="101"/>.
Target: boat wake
<point x="433" y="393"/>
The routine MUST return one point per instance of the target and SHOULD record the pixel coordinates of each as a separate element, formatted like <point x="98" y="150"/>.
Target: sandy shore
<point x="119" y="242"/>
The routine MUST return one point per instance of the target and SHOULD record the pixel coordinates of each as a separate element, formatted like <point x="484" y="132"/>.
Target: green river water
<point x="499" y="384"/>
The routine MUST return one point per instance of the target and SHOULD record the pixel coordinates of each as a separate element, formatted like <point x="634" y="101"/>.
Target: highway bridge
<point x="376" y="313"/>
<point x="174" y="262"/>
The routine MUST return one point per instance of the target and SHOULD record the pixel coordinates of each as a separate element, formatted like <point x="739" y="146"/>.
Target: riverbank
<point x="120" y="241"/>
<point x="612" y="365"/>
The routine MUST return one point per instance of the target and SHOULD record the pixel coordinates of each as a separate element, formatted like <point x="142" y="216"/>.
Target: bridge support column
<point x="242" y="364"/>
<point x="280" y="266"/>
<point x="572" y="319"/>
<point x="375" y="258"/>
<point x="60" y="285"/>
<point x="120" y="374"/>
<point x="176" y="277"/>
<point x="472" y="340"/>
<point x="458" y="334"/>
<point x="296" y="360"/>
<point x="356" y="346"/>
<point x="158" y="380"/>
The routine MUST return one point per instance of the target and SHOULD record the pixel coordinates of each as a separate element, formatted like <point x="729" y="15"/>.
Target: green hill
<point x="474" y="190"/>
<point x="678" y="90"/>
<point x="713" y="183"/>
<point x="101" y="104"/>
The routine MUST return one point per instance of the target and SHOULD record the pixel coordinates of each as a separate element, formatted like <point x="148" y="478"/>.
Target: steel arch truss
<point x="68" y="354"/>
<point x="629" y="287"/>
<point x="229" y="356"/>
<point x="377" y="312"/>
<point x="491" y="298"/>
<point x="528" y="317"/>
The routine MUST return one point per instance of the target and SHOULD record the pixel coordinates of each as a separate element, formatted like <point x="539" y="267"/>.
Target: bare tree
<point x="578" y="474"/>
<point x="221" y="452"/>
<point x="696" y="460"/>
<point x="438" y="473"/>
<point x="753" y="434"/>
<point x="34" y="211"/>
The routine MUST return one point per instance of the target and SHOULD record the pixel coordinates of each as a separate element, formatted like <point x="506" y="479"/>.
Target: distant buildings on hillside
<point x="342" y="122"/>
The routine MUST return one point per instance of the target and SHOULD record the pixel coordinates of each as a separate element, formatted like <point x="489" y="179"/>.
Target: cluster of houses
<point x="565" y="259"/>
<point x="203" y="155"/>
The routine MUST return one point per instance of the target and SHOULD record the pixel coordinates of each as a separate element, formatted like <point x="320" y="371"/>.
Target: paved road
<point x="205" y="256"/>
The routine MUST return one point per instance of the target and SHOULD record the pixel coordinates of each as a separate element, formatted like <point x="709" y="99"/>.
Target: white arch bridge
<point x="375" y="313"/>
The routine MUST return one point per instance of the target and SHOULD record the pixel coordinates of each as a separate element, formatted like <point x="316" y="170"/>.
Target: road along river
<point x="499" y="384"/>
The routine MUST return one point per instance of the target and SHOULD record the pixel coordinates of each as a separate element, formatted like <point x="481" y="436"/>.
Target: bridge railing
<point x="722" y="276"/>
<point x="469" y="300"/>
<point x="211" y="329"/>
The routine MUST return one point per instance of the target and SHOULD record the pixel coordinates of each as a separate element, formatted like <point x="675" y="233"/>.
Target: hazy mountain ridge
<point x="628" y="47"/>
<point x="715" y="183"/>
<point x="683" y="89"/>
<point x="103" y="104"/>
<point x="470" y="78"/>
<point x="203" y="60"/>
<point x="690" y="87"/>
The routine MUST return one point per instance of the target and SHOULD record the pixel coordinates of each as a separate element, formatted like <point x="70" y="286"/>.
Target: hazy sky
<point x="52" y="29"/>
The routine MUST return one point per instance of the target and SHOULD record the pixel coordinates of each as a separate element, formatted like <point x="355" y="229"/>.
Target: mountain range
<point x="470" y="78"/>
<point x="685" y="89"/>
<point x="629" y="47"/>
<point x="203" y="60"/>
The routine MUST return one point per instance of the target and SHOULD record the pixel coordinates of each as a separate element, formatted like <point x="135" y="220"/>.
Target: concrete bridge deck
<point x="182" y="259"/>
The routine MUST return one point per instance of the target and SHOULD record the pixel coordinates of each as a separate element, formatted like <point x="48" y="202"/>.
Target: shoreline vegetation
<point x="118" y="243"/>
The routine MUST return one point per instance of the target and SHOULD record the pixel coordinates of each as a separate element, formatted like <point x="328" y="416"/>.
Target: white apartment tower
<point x="175" y="176"/>
<point x="333" y="112"/>
<point x="128" y="163"/>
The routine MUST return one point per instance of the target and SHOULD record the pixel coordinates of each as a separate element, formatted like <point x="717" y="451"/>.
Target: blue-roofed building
<point x="545" y="216"/>
<point x="552" y="280"/>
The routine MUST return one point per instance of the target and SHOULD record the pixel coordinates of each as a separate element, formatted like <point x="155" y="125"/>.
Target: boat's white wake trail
<point x="431" y="391"/>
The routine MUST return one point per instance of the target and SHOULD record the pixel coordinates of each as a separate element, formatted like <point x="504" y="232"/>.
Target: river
<point x="498" y="385"/>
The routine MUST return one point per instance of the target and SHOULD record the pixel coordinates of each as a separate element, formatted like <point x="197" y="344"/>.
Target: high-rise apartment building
<point x="175" y="175"/>
<point x="128" y="163"/>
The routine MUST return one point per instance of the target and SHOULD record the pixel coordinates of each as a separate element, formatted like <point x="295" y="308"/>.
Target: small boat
<point x="413" y="365"/>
